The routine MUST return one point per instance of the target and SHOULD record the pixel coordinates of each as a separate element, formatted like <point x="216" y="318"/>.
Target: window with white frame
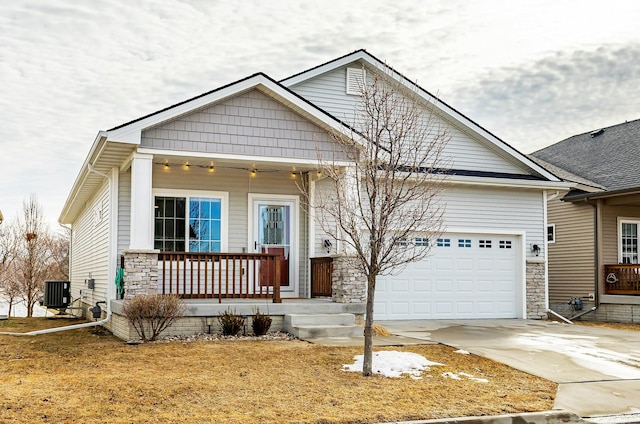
<point x="188" y="223"/>
<point x="421" y="242"/>
<point x="443" y="242"/>
<point x="628" y="241"/>
<point x="551" y="233"/>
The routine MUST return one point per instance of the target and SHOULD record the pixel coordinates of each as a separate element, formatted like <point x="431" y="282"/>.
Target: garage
<point x="467" y="276"/>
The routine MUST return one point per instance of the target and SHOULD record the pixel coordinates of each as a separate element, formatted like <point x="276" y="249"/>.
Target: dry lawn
<point x="613" y="325"/>
<point x="80" y="377"/>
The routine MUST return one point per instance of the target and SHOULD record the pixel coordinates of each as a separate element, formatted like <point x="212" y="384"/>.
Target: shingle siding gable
<point x="248" y="124"/>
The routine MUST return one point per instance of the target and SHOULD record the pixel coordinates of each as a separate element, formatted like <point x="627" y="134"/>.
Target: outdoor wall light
<point x="535" y="249"/>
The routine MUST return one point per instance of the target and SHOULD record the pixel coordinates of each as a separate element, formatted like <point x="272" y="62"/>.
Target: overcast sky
<point x="531" y="72"/>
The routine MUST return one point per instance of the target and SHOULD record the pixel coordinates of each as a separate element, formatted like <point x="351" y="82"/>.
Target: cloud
<point x="70" y="69"/>
<point x="560" y="95"/>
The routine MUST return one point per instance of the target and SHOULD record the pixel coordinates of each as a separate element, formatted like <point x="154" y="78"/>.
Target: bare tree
<point x="8" y="286"/>
<point x="385" y="209"/>
<point x="32" y="258"/>
<point x="59" y="244"/>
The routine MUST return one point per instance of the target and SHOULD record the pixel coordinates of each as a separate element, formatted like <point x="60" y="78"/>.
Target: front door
<point x="274" y="233"/>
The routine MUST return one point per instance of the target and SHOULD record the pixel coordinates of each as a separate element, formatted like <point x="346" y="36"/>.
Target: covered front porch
<point x="223" y="228"/>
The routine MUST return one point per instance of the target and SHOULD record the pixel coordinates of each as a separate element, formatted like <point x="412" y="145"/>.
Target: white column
<point x="351" y="196"/>
<point x="141" y="202"/>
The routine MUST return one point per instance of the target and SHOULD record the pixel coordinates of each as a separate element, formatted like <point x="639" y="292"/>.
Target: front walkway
<point x="598" y="369"/>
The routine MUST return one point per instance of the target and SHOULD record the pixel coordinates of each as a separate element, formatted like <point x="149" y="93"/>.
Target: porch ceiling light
<point x="186" y="166"/>
<point x="254" y="172"/>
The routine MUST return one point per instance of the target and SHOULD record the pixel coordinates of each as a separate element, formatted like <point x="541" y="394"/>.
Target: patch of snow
<point x="463" y="352"/>
<point x="451" y="375"/>
<point x="459" y="376"/>
<point x="391" y="363"/>
<point x="472" y="378"/>
<point x="19" y="309"/>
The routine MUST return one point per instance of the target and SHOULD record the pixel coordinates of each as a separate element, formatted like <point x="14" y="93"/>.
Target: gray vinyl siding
<point x="572" y="256"/>
<point x="324" y="189"/>
<point x="483" y="209"/>
<point x="499" y="209"/>
<point x="90" y="248"/>
<point x="328" y="91"/>
<point x="239" y="183"/>
<point x="124" y="212"/>
<point x="248" y="124"/>
<point x="610" y="230"/>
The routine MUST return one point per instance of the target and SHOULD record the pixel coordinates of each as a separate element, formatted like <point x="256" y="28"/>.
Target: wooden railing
<point x="622" y="279"/>
<point x="321" y="269"/>
<point x="219" y="275"/>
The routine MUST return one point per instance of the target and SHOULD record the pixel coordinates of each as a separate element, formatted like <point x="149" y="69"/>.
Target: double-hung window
<point x="191" y="223"/>
<point x="628" y="241"/>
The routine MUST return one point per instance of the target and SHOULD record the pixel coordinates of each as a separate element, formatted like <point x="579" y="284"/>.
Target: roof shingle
<point x="609" y="158"/>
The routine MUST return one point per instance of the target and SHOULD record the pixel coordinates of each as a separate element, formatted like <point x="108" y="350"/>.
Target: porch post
<point x="141" y="202"/>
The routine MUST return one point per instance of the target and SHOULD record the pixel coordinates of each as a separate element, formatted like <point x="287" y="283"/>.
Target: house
<point x="201" y="199"/>
<point x="593" y="228"/>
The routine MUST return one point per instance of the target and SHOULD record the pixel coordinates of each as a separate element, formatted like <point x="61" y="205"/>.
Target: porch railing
<point x="321" y="269"/>
<point x="622" y="279"/>
<point x="220" y="275"/>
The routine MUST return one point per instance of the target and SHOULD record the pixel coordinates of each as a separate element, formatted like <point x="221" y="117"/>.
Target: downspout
<point x="597" y="208"/>
<point x="76" y="326"/>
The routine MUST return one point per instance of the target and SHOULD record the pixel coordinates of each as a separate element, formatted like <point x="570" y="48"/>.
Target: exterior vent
<point x="355" y="80"/>
<point x="597" y="132"/>
<point x="56" y="294"/>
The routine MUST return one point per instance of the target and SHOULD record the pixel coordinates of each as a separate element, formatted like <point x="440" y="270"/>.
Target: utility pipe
<point x="583" y="313"/>
<point x="559" y="316"/>
<point x="57" y="329"/>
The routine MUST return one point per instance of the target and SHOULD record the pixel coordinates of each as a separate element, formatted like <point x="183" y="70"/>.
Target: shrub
<point x="231" y="322"/>
<point x="260" y="323"/>
<point x="151" y="314"/>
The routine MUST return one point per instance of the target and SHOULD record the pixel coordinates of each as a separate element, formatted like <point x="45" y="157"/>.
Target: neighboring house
<point x="593" y="228"/>
<point x="201" y="199"/>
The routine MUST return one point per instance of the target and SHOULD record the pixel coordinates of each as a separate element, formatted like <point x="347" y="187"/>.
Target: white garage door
<point x="467" y="276"/>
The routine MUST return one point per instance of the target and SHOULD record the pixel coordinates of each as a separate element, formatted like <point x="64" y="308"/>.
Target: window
<point x="422" y="242"/>
<point x="628" y="242"/>
<point x="484" y="244"/>
<point x="505" y="244"/>
<point x="188" y="223"/>
<point x="204" y="224"/>
<point x="401" y="242"/>
<point x="443" y="242"/>
<point x="464" y="243"/>
<point x="170" y="224"/>
<point x="551" y="233"/>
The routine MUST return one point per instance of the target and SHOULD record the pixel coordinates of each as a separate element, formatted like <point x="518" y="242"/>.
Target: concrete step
<point x="309" y="326"/>
<point x="319" y="319"/>
<point x="314" y="331"/>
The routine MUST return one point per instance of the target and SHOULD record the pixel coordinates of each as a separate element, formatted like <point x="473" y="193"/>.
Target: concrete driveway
<point x="598" y="370"/>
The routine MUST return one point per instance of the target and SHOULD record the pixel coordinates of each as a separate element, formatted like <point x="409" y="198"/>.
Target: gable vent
<point x="355" y="80"/>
